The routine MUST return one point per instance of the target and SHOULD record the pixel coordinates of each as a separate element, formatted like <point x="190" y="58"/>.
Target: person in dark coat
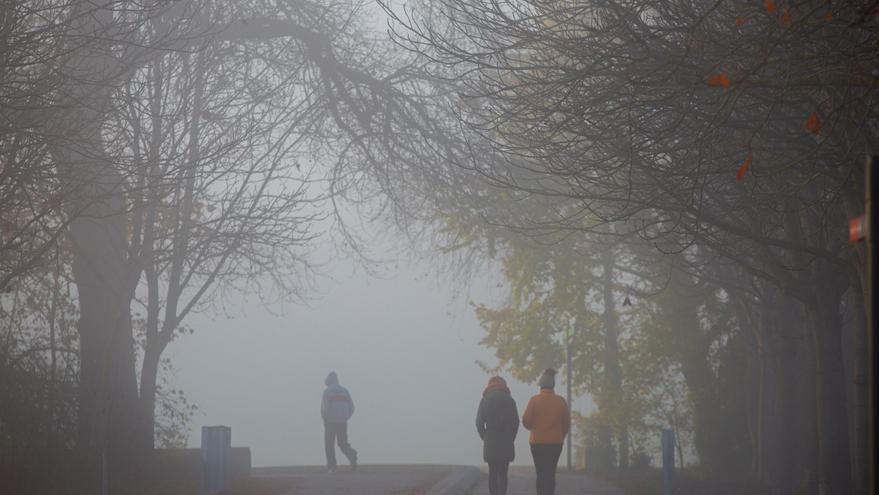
<point x="497" y="421"/>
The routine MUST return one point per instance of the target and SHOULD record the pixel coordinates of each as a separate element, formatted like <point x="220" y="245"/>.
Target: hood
<point x="496" y="383"/>
<point x="332" y="379"/>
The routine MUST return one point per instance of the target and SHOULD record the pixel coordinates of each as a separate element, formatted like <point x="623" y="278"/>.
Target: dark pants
<point x="497" y="478"/>
<point x="546" y="460"/>
<point x="332" y="433"/>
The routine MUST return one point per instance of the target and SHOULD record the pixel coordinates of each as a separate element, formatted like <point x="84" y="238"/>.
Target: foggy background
<point x="406" y="346"/>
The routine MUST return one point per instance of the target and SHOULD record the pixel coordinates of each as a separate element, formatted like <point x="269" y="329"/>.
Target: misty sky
<point x="405" y="345"/>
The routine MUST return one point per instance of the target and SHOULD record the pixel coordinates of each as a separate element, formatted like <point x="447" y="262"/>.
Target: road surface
<point x="367" y="480"/>
<point x="522" y="483"/>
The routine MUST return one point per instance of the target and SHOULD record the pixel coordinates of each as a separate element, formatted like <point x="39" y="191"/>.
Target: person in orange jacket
<point x="548" y="419"/>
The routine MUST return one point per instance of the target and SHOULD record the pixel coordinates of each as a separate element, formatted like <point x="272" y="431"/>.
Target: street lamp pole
<point x="866" y="228"/>
<point x="872" y="218"/>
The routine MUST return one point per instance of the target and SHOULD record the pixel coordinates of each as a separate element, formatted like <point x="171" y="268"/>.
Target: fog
<point x="214" y="203"/>
<point x="405" y="343"/>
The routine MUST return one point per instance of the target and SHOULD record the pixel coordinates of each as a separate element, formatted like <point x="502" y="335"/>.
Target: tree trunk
<point x="613" y="381"/>
<point x="691" y="351"/>
<point x="101" y="328"/>
<point x="52" y="389"/>
<point x="94" y="200"/>
<point x="104" y="288"/>
<point x="791" y="357"/>
<point x="834" y="466"/>
<point x="812" y="461"/>
<point x="860" y="412"/>
<point x="148" y="388"/>
<point x="108" y="387"/>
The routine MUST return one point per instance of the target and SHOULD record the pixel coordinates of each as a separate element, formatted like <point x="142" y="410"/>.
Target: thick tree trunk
<point x="106" y="344"/>
<point x="859" y="414"/>
<point x="108" y="390"/>
<point x="787" y="436"/>
<point x="699" y="378"/>
<point x="834" y="466"/>
<point x="791" y="358"/>
<point x="103" y="276"/>
<point x="126" y="454"/>
<point x="692" y="353"/>
<point x="810" y="423"/>
<point x="94" y="200"/>
<point x="148" y="390"/>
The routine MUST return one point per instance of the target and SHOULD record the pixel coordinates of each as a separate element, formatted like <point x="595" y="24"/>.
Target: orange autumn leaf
<point x="743" y="169"/>
<point x="785" y="16"/>
<point x="741" y="20"/>
<point x="770" y="6"/>
<point x="719" y="79"/>
<point x="813" y="125"/>
<point x="828" y="16"/>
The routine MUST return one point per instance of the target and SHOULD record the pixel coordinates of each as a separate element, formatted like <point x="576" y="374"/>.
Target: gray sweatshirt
<point x="336" y="405"/>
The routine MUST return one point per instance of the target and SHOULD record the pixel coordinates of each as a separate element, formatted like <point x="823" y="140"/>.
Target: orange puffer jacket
<point x="547" y="417"/>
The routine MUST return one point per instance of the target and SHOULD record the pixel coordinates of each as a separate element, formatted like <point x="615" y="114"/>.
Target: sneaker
<point x="354" y="463"/>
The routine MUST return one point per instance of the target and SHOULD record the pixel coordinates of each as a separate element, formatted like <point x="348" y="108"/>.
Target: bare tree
<point x="173" y="135"/>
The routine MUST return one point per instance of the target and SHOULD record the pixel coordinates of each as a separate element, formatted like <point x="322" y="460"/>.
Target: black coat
<point x="497" y="422"/>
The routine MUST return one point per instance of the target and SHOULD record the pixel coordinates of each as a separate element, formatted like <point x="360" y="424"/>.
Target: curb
<point x="460" y="481"/>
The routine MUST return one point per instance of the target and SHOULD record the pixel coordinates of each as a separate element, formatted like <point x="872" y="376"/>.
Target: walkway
<point x="367" y="480"/>
<point x="522" y="483"/>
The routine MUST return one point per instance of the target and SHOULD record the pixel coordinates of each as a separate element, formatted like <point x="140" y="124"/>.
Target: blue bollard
<point x="668" y="462"/>
<point x="216" y="444"/>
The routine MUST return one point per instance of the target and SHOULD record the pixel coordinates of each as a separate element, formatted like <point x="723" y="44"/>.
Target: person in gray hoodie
<point x="336" y="408"/>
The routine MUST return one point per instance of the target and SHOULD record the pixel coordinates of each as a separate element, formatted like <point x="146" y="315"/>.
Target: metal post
<point x="872" y="234"/>
<point x="216" y="444"/>
<point x="568" y="383"/>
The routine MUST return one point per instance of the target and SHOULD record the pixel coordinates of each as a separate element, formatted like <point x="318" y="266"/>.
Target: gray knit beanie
<point x="547" y="379"/>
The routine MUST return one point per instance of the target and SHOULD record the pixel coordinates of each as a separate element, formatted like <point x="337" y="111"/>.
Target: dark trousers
<point x="338" y="432"/>
<point x="497" y="478"/>
<point x="546" y="460"/>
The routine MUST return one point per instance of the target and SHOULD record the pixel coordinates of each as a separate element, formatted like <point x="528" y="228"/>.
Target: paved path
<point x="367" y="480"/>
<point x="522" y="483"/>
